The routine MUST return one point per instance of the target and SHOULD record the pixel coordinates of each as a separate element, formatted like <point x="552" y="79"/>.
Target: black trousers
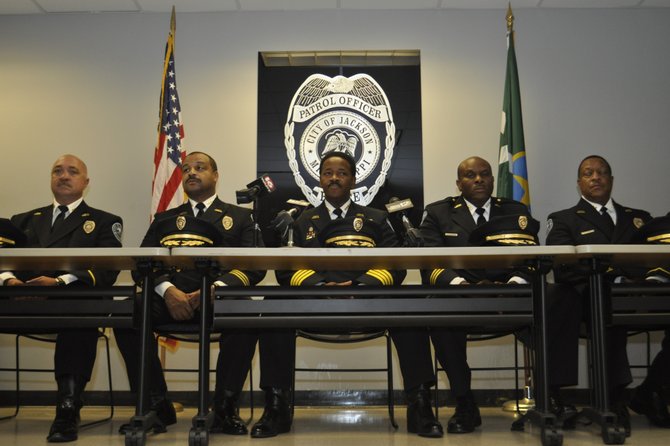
<point x="414" y="356"/>
<point x="236" y="350"/>
<point x="658" y="375"/>
<point x="75" y="352"/>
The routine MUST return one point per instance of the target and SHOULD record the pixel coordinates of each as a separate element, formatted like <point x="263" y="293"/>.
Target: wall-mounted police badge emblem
<point x="350" y="115"/>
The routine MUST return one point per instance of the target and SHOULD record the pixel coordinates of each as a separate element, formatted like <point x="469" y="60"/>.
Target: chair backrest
<point x="336" y="336"/>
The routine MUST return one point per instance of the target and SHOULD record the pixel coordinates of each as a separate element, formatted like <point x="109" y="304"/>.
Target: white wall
<point x="592" y="81"/>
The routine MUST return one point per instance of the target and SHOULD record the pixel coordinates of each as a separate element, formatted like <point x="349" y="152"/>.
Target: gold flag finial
<point x="173" y="22"/>
<point x="510" y="18"/>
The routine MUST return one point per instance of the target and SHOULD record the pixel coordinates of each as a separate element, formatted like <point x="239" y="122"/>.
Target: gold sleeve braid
<point x="240" y="275"/>
<point x="383" y="275"/>
<point x="300" y="276"/>
<point x="435" y="274"/>
<point x="90" y="273"/>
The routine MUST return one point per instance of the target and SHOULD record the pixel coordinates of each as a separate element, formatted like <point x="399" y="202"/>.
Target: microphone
<point x="413" y="236"/>
<point x="285" y="218"/>
<point x="262" y="185"/>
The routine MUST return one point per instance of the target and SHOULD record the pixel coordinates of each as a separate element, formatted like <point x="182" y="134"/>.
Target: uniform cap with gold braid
<point x="185" y="230"/>
<point x="10" y="235"/>
<point x="509" y="230"/>
<point x="656" y="231"/>
<point x="348" y="232"/>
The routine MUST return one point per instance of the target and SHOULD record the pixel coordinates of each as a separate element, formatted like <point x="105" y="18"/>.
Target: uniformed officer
<point x="177" y="296"/>
<point x="68" y="223"/>
<point x="338" y="221"/>
<point x="597" y="219"/>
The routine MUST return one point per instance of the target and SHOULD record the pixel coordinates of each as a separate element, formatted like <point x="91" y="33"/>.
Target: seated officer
<point x="648" y="397"/>
<point x="69" y="222"/>
<point x="595" y="220"/>
<point x="177" y="293"/>
<point x="477" y="218"/>
<point x="338" y="221"/>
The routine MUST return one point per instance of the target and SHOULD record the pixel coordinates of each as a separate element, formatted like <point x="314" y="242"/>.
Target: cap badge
<point x="358" y="224"/>
<point x="181" y="222"/>
<point x="523" y="221"/>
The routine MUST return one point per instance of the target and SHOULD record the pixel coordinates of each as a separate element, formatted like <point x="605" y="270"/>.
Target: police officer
<point x="597" y="219"/>
<point x="338" y="221"/>
<point x="177" y="298"/>
<point x="69" y="222"/>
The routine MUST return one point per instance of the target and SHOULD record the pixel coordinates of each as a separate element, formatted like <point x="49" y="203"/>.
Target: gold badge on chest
<point x="181" y="222"/>
<point x="89" y="226"/>
<point x="310" y="233"/>
<point x="637" y="221"/>
<point x="227" y="222"/>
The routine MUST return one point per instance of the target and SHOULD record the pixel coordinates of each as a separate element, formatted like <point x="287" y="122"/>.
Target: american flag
<point x="167" y="191"/>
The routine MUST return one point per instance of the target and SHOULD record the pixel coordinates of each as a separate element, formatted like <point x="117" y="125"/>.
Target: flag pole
<point x="527" y="402"/>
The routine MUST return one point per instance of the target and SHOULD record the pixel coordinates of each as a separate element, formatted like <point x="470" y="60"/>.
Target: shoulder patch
<point x="117" y="230"/>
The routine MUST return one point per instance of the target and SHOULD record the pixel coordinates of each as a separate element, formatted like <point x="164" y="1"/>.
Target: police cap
<point x="186" y="230"/>
<point x="509" y="230"/>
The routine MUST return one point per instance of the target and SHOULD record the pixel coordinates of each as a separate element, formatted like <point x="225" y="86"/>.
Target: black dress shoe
<point x="164" y="411"/>
<point x="420" y="417"/>
<point x="466" y="418"/>
<point x="622" y="416"/>
<point x="651" y="404"/>
<point x="226" y="415"/>
<point x="566" y="414"/>
<point x="66" y="424"/>
<point x="276" y="418"/>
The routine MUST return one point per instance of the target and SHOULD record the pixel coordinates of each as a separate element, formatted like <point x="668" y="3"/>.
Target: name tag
<point x="451" y="234"/>
<point x="587" y="232"/>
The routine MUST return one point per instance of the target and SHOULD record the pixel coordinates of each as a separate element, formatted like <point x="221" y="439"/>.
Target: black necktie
<point x="338" y="213"/>
<point x="607" y="218"/>
<point x="60" y="218"/>
<point x="481" y="219"/>
<point x="200" y="210"/>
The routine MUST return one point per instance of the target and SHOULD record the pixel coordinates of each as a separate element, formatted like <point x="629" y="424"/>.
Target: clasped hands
<point x="181" y="305"/>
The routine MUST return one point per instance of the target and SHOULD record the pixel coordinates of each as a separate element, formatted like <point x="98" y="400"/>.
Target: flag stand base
<point x="525" y="404"/>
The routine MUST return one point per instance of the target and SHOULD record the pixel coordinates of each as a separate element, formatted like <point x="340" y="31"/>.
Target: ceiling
<point x="137" y="6"/>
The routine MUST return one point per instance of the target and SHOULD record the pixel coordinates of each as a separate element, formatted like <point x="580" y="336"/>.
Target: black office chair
<point x="51" y="338"/>
<point x="349" y="337"/>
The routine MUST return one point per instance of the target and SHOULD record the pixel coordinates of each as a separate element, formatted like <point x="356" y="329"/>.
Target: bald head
<point x="69" y="179"/>
<point x="475" y="180"/>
